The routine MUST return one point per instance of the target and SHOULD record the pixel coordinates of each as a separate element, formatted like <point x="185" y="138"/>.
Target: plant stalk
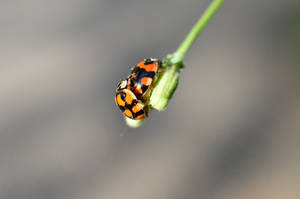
<point x="181" y="51"/>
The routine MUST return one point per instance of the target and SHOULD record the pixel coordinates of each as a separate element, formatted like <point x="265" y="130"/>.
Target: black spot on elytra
<point x="122" y="108"/>
<point x="129" y="106"/>
<point x="141" y="112"/>
<point x="123" y="96"/>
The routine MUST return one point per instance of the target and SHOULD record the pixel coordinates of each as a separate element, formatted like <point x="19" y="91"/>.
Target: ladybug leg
<point x="147" y="109"/>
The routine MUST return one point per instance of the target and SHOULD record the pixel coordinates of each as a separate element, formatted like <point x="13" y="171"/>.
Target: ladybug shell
<point x="129" y="104"/>
<point x="142" y="76"/>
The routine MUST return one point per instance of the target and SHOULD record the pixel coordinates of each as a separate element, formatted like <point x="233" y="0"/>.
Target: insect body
<point x="132" y="94"/>
<point x="142" y="77"/>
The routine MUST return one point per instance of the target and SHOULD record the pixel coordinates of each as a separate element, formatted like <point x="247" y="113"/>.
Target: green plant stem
<point x="179" y="54"/>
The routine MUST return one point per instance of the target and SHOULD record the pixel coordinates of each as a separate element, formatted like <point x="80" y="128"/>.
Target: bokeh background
<point x="230" y="131"/>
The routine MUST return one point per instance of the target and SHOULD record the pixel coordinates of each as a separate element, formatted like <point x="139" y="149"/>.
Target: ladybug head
<point x="122" y="85"/>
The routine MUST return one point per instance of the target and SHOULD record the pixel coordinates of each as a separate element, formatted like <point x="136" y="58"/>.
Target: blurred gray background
<point x="230" y="131"/>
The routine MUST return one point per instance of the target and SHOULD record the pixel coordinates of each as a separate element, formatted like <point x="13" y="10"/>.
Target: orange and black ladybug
<point x="142" y="77"/>
<point x="128" y="102"/>
<point x="132" y="94"/>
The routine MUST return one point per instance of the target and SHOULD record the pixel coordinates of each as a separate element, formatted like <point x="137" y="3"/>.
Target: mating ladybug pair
<point x="132" y="93"/>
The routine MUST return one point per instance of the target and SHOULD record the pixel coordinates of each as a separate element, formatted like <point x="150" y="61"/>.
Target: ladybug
<point x="128" y="102"/>
<point x="142" y="77"/>
<point x="132" y="94"/>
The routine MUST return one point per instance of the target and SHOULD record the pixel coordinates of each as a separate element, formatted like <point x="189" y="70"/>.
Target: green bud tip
<point x="133" y="123"/>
